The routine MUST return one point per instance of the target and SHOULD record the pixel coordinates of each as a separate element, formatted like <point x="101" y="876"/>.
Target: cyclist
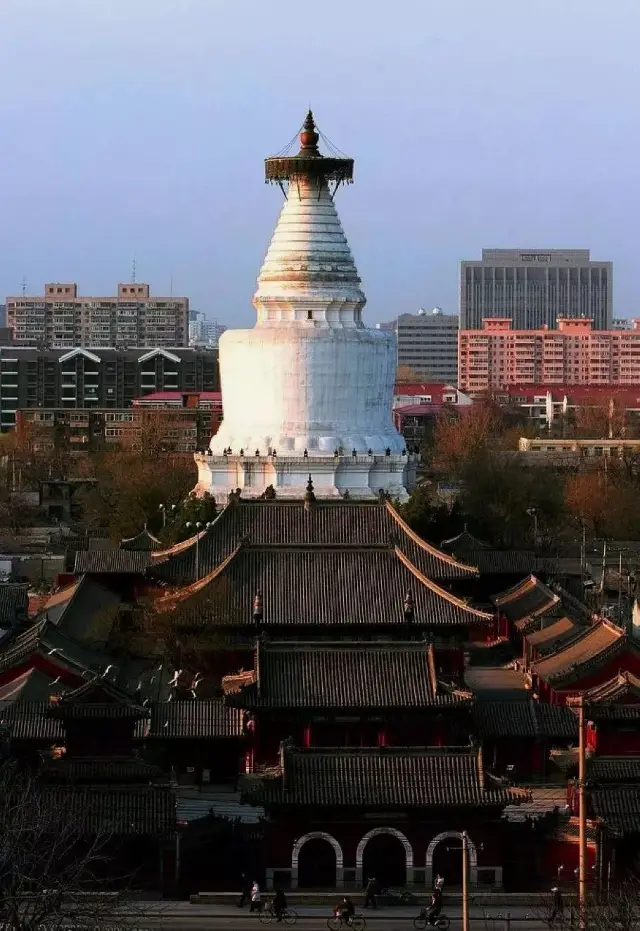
<point x="345" y="910"/>
<point x="435" y="908"/>
<point x="279" y="903"/>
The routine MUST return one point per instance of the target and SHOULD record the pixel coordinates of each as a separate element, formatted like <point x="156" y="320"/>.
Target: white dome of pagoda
<point x="308" y="390"/>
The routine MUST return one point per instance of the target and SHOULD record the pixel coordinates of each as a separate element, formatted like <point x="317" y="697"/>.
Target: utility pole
<point x="582" y="817"/>
<point x="620" y="588"/>
<point x="465" y="881"/>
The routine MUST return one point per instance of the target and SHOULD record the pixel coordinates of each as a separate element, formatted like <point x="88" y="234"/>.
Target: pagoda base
<point x="360" y="477"/>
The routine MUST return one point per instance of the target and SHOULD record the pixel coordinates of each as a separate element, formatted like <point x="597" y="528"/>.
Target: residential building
<point x="535" y="288"/>
<point x="182" y="429"/>
<point x="61" y="319"/>
<point x="428" y="344"/>
<point x="416" y="406"/>
<point x="97" y="378"/>
<point x="543" y="403"/>
<point x="575" y="353"/>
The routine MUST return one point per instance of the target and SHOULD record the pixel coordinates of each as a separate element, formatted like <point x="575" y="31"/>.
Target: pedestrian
<point x="439" y="884"/>
<point x="557" y="910"/>
<point x="370" y="893"/>
<point x="245" y="890"/>
<point x="255" y="897"/>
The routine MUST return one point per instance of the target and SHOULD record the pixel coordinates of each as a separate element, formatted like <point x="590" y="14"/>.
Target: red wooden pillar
<point x="306" y="735"/>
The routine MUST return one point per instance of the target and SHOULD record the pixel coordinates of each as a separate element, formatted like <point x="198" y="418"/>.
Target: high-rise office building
<point x="60" y="319"/>
<point x="428" y="344"/>
<point x="536" y="288"/>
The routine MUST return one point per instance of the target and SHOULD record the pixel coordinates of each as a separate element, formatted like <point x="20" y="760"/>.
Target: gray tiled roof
<point x="142" y="541"/>
<point x="325" y="586"/>
<point x="618" y="807"/>
<point x="119" y="810"/>
<point x="327" y="523"/>
<point x="614" y="769"/>
<point x="109" y="562"/>
<point x="200" y="718"/>
<point x="527" y="598"/>
<point x="30" y="721"/>
<point x="380" y="777"/>
<point x="524" y="719"/>
<point x="343" y="675"/>
<point x="599" y="644"/>
<point x="14" y="603"/>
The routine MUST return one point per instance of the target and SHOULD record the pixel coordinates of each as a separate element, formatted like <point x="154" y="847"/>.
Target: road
<point x="183" y="915"/>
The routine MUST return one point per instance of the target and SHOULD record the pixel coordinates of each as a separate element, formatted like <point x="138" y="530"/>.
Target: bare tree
<point x="55" y="871"/>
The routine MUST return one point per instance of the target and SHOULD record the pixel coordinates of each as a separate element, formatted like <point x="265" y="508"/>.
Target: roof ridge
<point x="177" y="548"/>
<point x="186" y="591"/>
<point x="441" y="592"/>
<point x="427" y="547"/>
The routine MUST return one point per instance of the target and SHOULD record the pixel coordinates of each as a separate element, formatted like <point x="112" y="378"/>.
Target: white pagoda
<point x="307" y="393"/>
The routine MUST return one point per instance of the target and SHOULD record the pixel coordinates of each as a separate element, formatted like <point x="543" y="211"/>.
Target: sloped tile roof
<point x="524" y="719"/>
<point x="602" y="698"/>
<point x="32" y="685"/>
<point x="101" y="770"/>
<point x="108" y="562"/>
<point x="526" y="599"/>
<point x="14" y="603"/>
<point x="143" y="541"/>
<point x="549" y="638"/>
<point x="327" y="523"/>
<point x="30" y="721"/>
<point x="385" y="777"/>
<point x="119" y="810"/>
<point x="343" y="675"/>
<point x="324" y="586"/>
<point x="495" y="683"/>
<point x="597" y="645"/>
<point x="614" y="769"/>
<point x="618" y="807"/>
<point x="199" y="718"/>
<point x="44" y="637"/>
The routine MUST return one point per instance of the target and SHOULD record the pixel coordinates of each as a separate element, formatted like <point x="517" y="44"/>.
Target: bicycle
<point x="338" y="921"/>
<point x="268" y="914"/>
<point x="442" y="922"/>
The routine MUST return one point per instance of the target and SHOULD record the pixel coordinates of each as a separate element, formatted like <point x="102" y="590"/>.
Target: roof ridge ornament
<point x="309" y="495"/>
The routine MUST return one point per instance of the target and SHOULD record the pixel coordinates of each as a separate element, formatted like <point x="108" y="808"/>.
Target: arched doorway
<point x="316" y="862"/>
<point x="444" y="858"/>
<point x="386" y="855"/>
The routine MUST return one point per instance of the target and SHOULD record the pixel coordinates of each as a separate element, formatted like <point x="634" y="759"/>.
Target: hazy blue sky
<point x="138" y="128"/>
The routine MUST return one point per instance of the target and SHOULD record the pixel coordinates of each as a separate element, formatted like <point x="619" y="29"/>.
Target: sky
<point x="138" y="128"/>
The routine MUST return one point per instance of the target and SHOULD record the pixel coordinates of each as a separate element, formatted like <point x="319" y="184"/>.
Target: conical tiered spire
<point x="309" y="276"/>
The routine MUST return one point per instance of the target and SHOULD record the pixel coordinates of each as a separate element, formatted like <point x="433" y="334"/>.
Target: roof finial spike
<point x="309" y="137"/>
<point x="309" y="496"/>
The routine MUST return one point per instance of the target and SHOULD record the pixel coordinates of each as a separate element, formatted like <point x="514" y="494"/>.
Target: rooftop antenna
<point x="171" y="285"/>
<point x="133" y="272"/>
<point x="24" y="285"/>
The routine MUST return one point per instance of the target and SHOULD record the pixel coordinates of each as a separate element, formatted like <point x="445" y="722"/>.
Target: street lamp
<point x="197" y="527"/>
<point x="163" y="510"/>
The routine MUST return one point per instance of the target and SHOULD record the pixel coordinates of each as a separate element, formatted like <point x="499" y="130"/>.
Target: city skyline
<point x="156" y="154"/>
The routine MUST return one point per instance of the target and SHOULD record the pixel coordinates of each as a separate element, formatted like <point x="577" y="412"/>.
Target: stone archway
<point x="473" y="856"/>
<point x="317" y="835"/>
<point x="375" y="832"/>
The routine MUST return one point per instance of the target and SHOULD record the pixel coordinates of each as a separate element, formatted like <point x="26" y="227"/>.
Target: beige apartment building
<point x="61" y="319"/>
<point x="573" y="354"/>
